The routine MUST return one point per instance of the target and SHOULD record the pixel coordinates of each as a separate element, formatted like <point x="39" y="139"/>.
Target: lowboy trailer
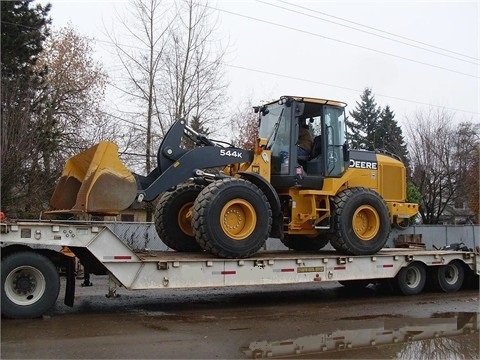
<point x="31" y="281"/>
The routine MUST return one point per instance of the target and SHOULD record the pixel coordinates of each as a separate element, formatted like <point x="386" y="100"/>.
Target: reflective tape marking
<point x="117" y="257"/>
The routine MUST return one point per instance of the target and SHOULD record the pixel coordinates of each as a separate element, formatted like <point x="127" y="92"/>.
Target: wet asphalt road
<point x="304" y="321"/>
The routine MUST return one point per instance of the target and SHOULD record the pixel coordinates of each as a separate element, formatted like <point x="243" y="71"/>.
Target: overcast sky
<point x="311" y="48"/>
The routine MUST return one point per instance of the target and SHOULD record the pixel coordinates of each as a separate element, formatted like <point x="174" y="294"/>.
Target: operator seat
<point x="316" y="148"/>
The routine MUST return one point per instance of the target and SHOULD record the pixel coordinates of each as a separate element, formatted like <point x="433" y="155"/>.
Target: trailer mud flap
<point x="95" y="182"/>
<point x="70" y="286"/>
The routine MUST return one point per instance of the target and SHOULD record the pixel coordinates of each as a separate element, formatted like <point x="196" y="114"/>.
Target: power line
<point x="344" y="88"/>
<point x="383" y="31"/>
<point x="365" y="31"/>
<point x="342" y="42"/>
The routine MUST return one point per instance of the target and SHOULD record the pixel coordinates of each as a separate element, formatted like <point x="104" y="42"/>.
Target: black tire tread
<point x="201" y="217"/>
<point x="52" y="284"/>
<point x="339" y="202"/>
<point x="440" y="284"/>
<point x="399" y="280"/>
<point x="174" y="238"/>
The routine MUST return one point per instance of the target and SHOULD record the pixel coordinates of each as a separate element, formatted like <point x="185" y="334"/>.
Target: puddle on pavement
<point x="442" y="336"/>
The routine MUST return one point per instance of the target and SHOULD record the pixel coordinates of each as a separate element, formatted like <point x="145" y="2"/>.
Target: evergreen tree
<point x="364" y="123"/>
<point x="389" y="136"/>
<point x="23" y="31"/>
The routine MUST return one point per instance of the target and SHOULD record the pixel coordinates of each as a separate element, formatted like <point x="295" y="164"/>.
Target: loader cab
<point x="280" y="123"/>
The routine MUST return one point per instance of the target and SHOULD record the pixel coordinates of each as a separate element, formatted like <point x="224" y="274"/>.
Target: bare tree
<point x="139" y="45"/>
<point x="71" y="99"/>
<point x="244" y="124"/>
<point x="193" y="83"/>
<point x="73" y="94"/>
<point x="441" y="155"/>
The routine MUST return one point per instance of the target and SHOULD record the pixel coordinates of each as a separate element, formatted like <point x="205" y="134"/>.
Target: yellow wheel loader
<point x="228" y="201"/>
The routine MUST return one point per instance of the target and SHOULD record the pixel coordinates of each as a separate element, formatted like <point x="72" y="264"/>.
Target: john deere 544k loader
<point x="349" y="198"/>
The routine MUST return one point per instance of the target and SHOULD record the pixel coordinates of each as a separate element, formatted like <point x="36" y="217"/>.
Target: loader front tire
<point x="231" y="218"/>
<point x="305" y="242"/>
<point x="30" y="285"/>
<point x="173" y="218"/>
<point x="361" y="222"/>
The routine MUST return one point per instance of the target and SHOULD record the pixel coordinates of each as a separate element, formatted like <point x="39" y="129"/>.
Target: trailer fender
<point x="273" y="199"/>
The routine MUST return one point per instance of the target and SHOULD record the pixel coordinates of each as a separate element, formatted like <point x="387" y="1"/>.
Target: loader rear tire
<point x="305" y="242"/>
<point x="231" y="218"/>
<point x="173" y="218"/>
<point x="30" y="285"/>
<point x="361" y="222"/>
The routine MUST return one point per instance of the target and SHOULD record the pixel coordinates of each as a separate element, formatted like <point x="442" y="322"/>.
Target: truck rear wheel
<point x="30" y="285"/>
<point x="305" y="242"/>
<point x="173" y="218"/>
<point x="361" y="222"/>
<point x="231" y="218"/>
<point x="448" y="278"/>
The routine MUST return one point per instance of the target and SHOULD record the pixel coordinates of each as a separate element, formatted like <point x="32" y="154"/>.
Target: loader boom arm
<point x="177" y="164"/>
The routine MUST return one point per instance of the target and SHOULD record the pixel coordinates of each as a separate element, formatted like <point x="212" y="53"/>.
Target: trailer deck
<point x="102" y="252"/>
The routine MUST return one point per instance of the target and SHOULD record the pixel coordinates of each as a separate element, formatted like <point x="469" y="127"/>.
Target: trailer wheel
<point x="361" y="222"/>
<point x="173" y="218"/>
<point x="30" y="285"/>
<point x="448" y="278"/>
<point x="305" y="242"/>
<point x="411" y="279"/>
<point x="231" y="218"/>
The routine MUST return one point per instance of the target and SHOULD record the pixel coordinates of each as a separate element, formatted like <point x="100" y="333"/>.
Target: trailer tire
<point x="30" y="285"/>
<point x="411" y="279"/>
<point x="173" y="218"/>
<point x="231" y="218"/>
<point x="361" y="222"/>
<point x="449" y="277"/>
<point x="305" y="242"/>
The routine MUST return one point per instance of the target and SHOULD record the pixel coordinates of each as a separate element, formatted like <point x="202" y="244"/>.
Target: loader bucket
<point x="94" y="182"/>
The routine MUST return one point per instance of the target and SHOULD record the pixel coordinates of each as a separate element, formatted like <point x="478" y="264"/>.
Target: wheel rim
<point x="451" y="274"/>
<point x="366" y="222"/>
<point x="238" y="219"/>
<point x="185" y="218"/>
<point x="412" y="277"/>
<point x="25" y="285"/>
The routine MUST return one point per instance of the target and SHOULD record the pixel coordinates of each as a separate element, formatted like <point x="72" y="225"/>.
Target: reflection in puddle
<point x="408" y="338"/>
